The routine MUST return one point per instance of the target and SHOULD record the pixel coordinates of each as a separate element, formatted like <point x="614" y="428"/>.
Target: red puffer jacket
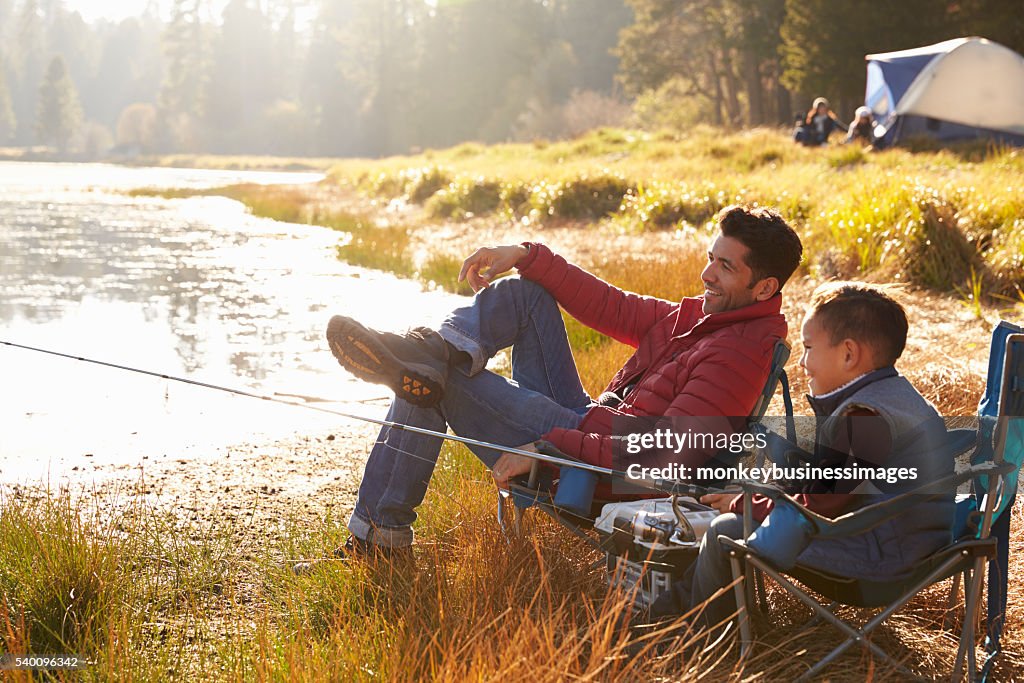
<point x="687" y="363"/>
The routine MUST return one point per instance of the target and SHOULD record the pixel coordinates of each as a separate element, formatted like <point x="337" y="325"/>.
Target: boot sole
<point x="357" y="350"/>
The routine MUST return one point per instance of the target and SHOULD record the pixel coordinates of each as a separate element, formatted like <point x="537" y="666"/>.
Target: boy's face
<point x="727" y="277"/>
<point x="828" y="367"/>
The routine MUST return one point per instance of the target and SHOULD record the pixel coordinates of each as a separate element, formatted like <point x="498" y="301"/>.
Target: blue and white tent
<point x="960" y="89"/>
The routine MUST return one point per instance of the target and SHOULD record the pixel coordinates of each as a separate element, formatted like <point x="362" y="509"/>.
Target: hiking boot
<point x="356" y="549"/>
<point x="414" y="365"/>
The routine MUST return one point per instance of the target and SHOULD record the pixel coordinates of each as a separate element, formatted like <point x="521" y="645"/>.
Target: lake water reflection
<point x="192" y="287"/>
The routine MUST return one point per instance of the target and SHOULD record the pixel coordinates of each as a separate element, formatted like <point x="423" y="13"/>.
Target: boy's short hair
<point x="775" y="248"/>
<point x="864" y="313"/>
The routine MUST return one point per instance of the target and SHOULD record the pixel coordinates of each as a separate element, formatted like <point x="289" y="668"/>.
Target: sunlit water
<point x="193" y="287"/>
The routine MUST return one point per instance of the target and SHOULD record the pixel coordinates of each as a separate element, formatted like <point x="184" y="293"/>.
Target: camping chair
<point x="535" y="490"/>
<point x="993" y="474"/>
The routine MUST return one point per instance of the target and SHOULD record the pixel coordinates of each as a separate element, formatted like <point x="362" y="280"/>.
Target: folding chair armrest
<point x="868" y="517"/>
<point x="779" y="497"/>
<point x="736" y="545"/>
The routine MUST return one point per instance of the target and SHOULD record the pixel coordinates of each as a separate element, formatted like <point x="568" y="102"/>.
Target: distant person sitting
<point x="801" y="131"/>
<point x="863" y="127"/>
<point x="817" y="125"/>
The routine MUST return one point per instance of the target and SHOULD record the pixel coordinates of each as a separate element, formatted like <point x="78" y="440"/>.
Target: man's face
<point x="726" y="277"/>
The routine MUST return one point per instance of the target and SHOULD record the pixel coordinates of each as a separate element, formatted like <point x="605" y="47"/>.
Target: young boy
<point x="867" y="415"/>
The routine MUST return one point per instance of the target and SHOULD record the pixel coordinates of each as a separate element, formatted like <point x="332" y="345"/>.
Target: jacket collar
<point x="827" y="404"/>
<point x="714" y="321"/>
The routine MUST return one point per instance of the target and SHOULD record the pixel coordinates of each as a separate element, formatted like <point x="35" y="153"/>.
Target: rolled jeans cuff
<point x="464" y="342"/>
<point x="392" y="537"/>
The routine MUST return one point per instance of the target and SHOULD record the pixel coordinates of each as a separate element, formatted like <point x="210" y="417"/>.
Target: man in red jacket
<point x="702" y="356"/>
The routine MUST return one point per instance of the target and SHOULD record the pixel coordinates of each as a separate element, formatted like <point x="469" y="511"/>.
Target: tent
<point x="965" y="88"/>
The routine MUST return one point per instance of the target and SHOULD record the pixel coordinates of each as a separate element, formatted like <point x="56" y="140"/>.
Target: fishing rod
<point x="666" y="486"/>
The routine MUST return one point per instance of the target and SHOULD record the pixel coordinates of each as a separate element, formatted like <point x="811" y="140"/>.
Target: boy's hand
<point x="487" y="263"/>
<point x="720" y="501"/>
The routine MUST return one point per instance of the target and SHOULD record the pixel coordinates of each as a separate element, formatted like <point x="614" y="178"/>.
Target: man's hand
<point x="719" y="501"/>
<point x="488" y="263"/>
<point x="511" y="465"/>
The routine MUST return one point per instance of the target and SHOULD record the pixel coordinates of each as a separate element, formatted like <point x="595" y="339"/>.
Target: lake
<point x="192" y="287"/>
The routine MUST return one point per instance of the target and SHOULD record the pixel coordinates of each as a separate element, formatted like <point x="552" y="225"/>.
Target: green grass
<point x="130" y="587"/>
<point x="237" y="162"/>
<point x="928" y="218"/>
<point x="859" y="211"/>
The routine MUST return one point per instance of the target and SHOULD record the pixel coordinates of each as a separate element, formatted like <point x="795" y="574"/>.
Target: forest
<point x="373" y="78"/>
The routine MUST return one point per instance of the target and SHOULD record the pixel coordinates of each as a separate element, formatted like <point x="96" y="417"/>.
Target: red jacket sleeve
<point x="723" y="379"/>
<point x="624" y="316"/>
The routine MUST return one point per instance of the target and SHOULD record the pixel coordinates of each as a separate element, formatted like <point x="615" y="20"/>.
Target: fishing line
<point x="666" y="486"/>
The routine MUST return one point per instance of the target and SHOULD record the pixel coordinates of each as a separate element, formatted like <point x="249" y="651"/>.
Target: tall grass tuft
<point x="384" y="247"/>
<point x="929" y="249"/>
<point x="442" y="269"/>
<point x="61" y="576"/>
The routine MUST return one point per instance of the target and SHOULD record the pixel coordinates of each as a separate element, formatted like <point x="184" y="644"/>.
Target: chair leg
<point x="972" y="589"/>
<point x="742" y="611"/>
<point x="515" y="529"/>
<point x="750" y="585"/>
<point x="502" y="522"/>
<point x="760" y="592"/>
<point x="853" y="635"/>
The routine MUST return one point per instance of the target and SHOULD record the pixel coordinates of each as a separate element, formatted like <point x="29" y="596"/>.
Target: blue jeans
<point x="545" y="392"/>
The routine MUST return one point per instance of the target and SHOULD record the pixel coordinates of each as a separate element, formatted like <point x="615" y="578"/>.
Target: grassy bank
<point x="942" y="219"/>
<point x="949" y="220"/>
<point x="233" y="163"/>
<point x="144" y="595"/>
<point x="634" y="208"/>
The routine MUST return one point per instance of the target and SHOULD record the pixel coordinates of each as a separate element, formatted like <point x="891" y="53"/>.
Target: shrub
<point x="658" y="205"/>
<point x="465" y="198"/>
<point x="585" y="197"/>
<point x="930" y="249"/>
<point x="442" y="270"/>
<point x="515" y="199"/>
<point x="424" y="182"/>
<point x="382" y="247"/>
<point x="673" y="106"/>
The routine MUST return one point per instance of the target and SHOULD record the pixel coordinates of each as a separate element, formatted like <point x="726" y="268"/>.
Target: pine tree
<point x="181" y="92"/>
<point x="723" y="52"/>
<point x="59" y="114"/>
<point x="27" y="61"/>
<point x="8" y="122"/>
<point x="824" y="42"/>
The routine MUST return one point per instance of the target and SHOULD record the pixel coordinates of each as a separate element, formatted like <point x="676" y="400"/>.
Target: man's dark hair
<point x="854" y="310"/>
<point x="775" y="248"/>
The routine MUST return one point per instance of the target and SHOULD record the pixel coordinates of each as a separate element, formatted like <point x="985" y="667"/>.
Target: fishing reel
<point x="660" y="528"/>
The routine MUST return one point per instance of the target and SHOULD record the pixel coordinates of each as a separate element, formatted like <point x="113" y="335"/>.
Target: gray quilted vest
<point x="918" y="432"/>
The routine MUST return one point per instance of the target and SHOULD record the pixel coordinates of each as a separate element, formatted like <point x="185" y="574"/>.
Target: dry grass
<point x="482" y="609"/>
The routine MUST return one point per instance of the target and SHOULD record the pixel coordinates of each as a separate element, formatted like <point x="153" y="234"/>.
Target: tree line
<point x="374" y="77"/>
